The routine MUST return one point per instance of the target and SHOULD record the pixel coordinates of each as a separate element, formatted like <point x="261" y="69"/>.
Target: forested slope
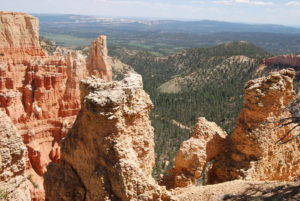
<point x="197" y="82"/>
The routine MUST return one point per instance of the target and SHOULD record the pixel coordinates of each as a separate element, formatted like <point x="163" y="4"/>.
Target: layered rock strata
<point x="109" y="152"/>
<point x="252" y="153"/>
<point x="289" y="60"/>
<point x="40" y="93"/>
<point x="19" y="34"/>
<point x="13" y="182"/>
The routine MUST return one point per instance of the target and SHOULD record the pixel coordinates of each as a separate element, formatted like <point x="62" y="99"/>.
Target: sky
<point x="286" y="12"/>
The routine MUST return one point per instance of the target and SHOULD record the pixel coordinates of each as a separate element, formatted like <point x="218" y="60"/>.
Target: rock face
<point x="40" y="93"/>
<point x="290" y="60"/>
<point x="19" y="33"/>
<point x="41" y="96"/>
<point x="97" y="63"/>
<point x="253" y="153"/>
<point x="109" y="152"/>
<point x="207" y="142"/>
<point x="13" y="181"/>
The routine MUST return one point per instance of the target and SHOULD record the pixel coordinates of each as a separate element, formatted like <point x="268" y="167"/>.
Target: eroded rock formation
<point x="97" y="63"/>
<point x="40" y="93"/>
<point x="13" y="182"/>
<point x="109" y="152"/>
<point x="253" y="153"/>
<point x="289" y="60"/>
<point x="280" y="62"/>
<point x="41" y="96"/>
<point x="19" y="34"/>
<point x="207" y="142"/>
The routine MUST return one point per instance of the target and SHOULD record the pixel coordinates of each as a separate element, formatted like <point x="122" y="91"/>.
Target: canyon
<point x="69" y="132"/>
<point x="109" y="152"/>
<point x="40" y="93"/>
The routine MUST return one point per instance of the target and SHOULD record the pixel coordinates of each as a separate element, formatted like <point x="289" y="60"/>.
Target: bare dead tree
<point x="294" y="109"/>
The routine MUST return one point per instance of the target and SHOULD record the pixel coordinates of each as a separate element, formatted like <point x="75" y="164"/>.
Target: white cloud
<point x="198" y="2"/>
<point x="293" y="3"/>
<point x="131" y="3"/>
<point x="249" y="2"/>
<point x="225" y="2"/>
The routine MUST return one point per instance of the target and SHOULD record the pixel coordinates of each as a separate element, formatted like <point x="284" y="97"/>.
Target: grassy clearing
<point x="67" y="40"/>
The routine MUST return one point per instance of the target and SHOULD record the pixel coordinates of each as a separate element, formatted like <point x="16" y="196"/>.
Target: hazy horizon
<point x="284" y="12"/>
<point x="161" y="18"/>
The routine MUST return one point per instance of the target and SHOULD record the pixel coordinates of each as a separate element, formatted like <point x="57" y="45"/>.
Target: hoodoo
<point x="109" y="152"/>
<point x="207" y="142"/>
<point x="252" y="153"/>
<point x="97" y="63"/>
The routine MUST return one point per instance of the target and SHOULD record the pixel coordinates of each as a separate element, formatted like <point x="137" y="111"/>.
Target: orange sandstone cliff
<point x="19" y="35"/>
<point x="109" y="152"/>
<point x="40" y="93"/>
<point x="280" y="62"/>
<point x="289" y="60"/>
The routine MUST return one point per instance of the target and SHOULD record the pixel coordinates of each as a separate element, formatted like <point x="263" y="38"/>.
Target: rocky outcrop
<point x="19" y="34"/>
<point x="13" y="181"/>
<point x="207" y="142"/>
<point x="97" y="63"/>
<point x="287" y="60"/>
<point x="253" y="153"/>
<point x="40" y="93"/>
<point x="42" y="97"/>
<point x="109" y="152"/>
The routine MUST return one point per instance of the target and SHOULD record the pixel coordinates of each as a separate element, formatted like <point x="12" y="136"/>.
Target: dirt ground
<point x="242" y="191"/>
